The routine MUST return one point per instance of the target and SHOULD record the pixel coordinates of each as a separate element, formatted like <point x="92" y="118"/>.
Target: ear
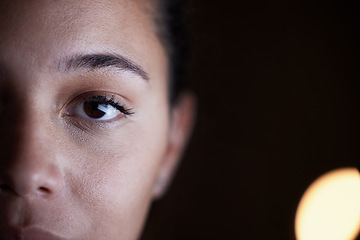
<point x="181" y="123"/>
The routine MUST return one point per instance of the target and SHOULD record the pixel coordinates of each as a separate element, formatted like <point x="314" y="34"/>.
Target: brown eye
<point x="96" y="110"/>
<point x="92" y="109"/>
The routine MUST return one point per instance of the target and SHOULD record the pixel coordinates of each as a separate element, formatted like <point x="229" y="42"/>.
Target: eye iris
<point x="92" y="110"/>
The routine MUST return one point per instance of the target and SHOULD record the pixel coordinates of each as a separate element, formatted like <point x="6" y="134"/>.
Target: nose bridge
<point x="32" y="167"/>
<point x="35" y="134"/>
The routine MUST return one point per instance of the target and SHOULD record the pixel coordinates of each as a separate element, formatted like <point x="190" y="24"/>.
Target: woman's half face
<point x="84" y="118"/>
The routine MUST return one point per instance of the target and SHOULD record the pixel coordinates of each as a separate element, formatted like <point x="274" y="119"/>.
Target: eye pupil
<point x="92" y="110"/>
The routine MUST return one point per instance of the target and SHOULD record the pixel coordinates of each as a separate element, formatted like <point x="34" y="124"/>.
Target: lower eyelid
<point x="89" y="125"/>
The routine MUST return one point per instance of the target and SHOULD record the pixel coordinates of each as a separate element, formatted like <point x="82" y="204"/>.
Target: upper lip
<point x="31" y="233"/>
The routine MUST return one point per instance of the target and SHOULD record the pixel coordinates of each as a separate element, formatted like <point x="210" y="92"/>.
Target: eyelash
<point x="105" y="100"/>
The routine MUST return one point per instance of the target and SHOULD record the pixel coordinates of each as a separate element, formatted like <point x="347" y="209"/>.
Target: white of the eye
<point x="110" y="111"/>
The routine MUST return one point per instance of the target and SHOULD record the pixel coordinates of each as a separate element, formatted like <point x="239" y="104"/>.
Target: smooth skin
<point x="63" y="169"/>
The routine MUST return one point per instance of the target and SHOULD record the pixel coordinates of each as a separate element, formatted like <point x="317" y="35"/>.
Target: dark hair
<point x="174" y="35"/>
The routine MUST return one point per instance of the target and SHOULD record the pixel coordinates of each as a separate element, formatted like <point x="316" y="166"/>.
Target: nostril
<point x="30" y="178"/>
<point x="44" y="190"/>
<point x="7" y="188"/>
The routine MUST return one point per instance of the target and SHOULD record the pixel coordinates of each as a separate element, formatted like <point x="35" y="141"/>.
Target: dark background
<point x="277" y="85"/>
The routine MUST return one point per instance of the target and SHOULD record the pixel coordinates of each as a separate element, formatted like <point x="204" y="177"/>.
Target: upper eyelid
<point x="86" y="96"/>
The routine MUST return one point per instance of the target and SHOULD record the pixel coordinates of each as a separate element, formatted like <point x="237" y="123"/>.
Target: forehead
<point x="48" y="28"/>
<point x="62" y="16"/>
<point x="36" y="11"/>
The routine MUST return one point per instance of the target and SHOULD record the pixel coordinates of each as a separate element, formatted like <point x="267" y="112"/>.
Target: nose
<point x="30" y="167"/>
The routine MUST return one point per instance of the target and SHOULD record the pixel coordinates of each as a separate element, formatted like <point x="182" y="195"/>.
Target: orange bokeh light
<point x="330" y="207"/>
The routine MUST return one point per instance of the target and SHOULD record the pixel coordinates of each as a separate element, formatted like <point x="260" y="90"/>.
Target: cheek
<point x="111" y="175"/>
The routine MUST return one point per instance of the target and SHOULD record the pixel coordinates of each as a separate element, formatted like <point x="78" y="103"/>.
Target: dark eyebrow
<point x="99" y="61"/>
